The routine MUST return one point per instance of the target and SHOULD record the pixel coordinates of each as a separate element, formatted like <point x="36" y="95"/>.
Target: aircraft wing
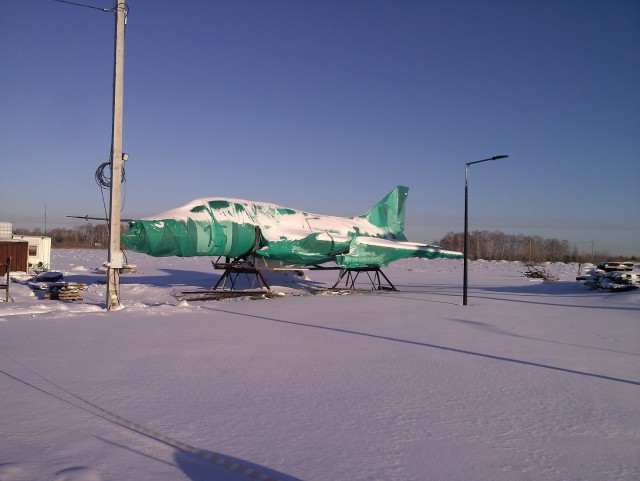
<point x="303" y="250"/>
<point x="373" y="251"/>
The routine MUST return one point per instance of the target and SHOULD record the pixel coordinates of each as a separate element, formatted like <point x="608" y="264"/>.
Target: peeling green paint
<point x="187" y="238"/>
<point x="219" y="204"/>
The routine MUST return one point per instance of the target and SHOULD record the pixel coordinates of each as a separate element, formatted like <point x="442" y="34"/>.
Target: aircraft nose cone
<point x="135" y="237"/>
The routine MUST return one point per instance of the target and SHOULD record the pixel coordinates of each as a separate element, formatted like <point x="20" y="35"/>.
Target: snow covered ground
<point x="533" y="380"/>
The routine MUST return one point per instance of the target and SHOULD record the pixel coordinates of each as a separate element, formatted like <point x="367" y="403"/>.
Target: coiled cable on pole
<point x="101" y="178"/>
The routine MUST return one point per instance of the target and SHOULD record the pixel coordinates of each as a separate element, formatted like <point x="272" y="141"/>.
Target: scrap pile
<point x="537" y="272"/>
<point x="615" y="276"/>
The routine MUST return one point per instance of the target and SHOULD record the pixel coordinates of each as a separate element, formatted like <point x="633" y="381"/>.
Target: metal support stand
<point x="351" y="275"/>
<point x="233" y="269"/>
<point x="226" y="285"/>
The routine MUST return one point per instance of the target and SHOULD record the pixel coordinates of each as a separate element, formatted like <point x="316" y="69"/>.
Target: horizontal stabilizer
<point x="371" y="251"/>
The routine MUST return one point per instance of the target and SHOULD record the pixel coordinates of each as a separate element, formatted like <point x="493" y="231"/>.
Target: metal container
<point x="6" y="230"/>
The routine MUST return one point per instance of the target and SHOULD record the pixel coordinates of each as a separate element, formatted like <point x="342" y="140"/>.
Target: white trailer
<point x="39" y="258"/>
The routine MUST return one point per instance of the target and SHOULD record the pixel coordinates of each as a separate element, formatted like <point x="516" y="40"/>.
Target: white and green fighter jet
<point x="236" y="228"/>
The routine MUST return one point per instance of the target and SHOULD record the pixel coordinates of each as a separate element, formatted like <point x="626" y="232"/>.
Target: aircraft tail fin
<point x="388" y="213"/>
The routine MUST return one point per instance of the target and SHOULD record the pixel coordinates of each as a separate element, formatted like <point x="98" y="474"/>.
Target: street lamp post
<point x="466" y="220"/>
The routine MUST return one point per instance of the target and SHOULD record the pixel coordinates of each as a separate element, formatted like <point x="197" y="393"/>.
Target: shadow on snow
<point x="196" y="467"/>
<point x="433" y="346"/>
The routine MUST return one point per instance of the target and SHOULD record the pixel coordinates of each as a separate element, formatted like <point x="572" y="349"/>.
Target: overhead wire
<point x="86" y="6"/>
<point x="123" y="6"/>
<point x="104" y="181"/>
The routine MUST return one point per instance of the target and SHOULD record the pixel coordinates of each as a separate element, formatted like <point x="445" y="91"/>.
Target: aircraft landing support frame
<point x="233" y="269"/>
<point x="226" y="287"/>
<point x="374" y="273"/>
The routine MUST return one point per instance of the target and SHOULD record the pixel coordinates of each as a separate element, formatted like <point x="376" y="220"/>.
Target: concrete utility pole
<point x="114" y="260"/>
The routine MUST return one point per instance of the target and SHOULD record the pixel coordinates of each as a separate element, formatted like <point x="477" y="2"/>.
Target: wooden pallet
<point x="69" y="295"/>
<point x="65" y="291"/>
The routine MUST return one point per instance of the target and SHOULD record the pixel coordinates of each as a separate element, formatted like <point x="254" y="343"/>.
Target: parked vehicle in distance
<point x="615" y="266"/>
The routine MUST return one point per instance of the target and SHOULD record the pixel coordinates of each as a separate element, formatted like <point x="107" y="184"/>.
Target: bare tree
<point x="497" y="245"/>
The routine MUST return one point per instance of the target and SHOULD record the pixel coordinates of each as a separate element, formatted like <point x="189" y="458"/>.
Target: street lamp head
<point x="495" y="157"/>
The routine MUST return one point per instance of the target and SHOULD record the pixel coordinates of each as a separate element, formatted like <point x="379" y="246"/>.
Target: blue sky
<point x="325" y="106"/>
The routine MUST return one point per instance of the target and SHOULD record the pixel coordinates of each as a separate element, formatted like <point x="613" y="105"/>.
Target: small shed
<point x="18" y="250"/>
<point x="39" y="256"/>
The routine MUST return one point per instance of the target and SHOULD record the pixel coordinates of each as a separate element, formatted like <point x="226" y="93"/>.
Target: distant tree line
<point x="497" y="245"/>
<point x="487" y="245"/>
<point x="85" y="235"/>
